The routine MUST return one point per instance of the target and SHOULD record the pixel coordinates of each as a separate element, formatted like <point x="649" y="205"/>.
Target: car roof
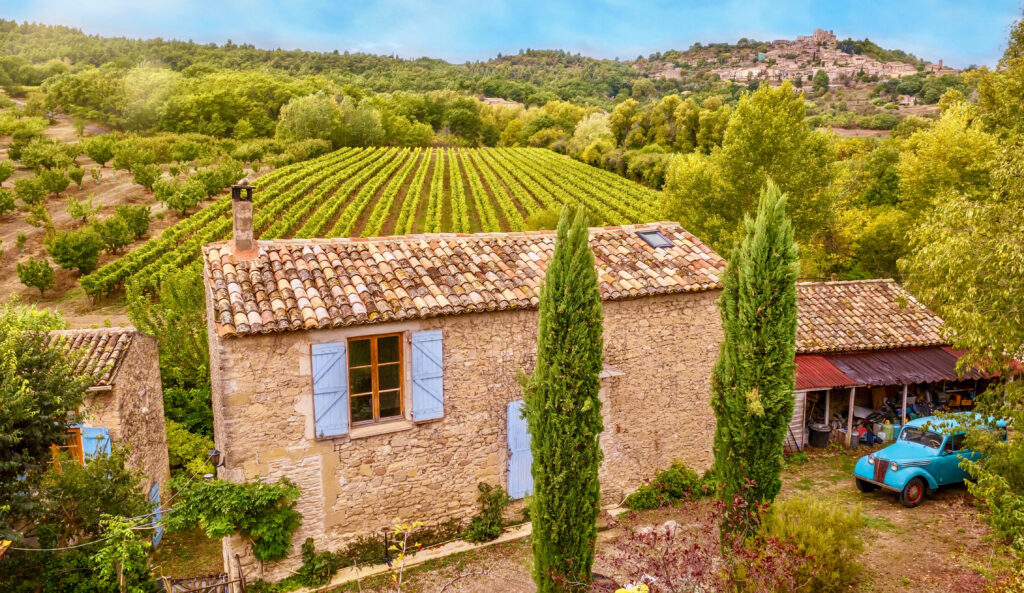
<point x="951" y="423"/>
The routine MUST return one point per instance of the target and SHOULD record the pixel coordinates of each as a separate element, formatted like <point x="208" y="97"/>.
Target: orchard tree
<point x="6" y="170"/>
<point x="75" y="250"/>
<point x="563" y="413"/>
<point x="146" y="175"/>
<point x="136" y="217"/>
<point x="752" y="380"/>
<point x="53" y="181"/>
<point x="30" y="191"/>
<point x="99" y="148"/>
<point x="77" y="174"/>
<point x="113" y="233"/>
<point x="7" y="203"/>
<point x="36" y="273"/>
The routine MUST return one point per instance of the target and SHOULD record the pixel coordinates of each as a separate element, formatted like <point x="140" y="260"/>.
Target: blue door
<point x="946" y="467"/>
<point x="154" y="497"/>
<point x="520" y="480"/>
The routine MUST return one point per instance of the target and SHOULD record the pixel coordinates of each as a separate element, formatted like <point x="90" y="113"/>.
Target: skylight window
<point x="654" y="238"/>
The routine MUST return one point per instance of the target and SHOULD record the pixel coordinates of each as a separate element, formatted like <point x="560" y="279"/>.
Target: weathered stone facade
<point x="131" y="406"/>
<point x="655" y="411"/>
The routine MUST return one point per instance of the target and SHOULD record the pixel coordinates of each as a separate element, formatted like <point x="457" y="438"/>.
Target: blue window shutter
<point x="95" y="442"/>
<point x="520" y="457"/>
<point x="427" y="375"/>
<point x="330" y="389"/>
<point x="158" y="515"/>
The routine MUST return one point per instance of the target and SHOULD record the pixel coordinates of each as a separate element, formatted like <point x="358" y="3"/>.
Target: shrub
<point x="99" y="148"/>
<point x="307" y="149"/>
<point x="30" y="191"/>
<point x="6" y="170"/>
<point x="77" y="174"/>
<point x="826" y="532"/>
<point x="188" y="451"/>
<point x="146" y="175"/>
<point x="83" y="209"/>
<point x="136" y="217"/>
<point x="489" y="523"/>
<point x="53" y="181"/>
<point x="675" y="484"/>
<point x="96" y="173"/>
<point x="36" y="273"/>
<point x="6" y="201"/>
<point x="190" y="407"/>
<point x="75" y="250"/>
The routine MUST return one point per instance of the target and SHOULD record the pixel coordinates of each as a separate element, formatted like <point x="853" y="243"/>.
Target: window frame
<point x="375" y="379"/>
<point x="72" y="445"/>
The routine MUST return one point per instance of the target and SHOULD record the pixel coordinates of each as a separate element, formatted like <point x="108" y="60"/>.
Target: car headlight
<point x="871" y="459"/>
<point x="894" y="466"/>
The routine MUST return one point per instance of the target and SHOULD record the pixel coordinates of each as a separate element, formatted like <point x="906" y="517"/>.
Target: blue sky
<point x="961" y="33"/>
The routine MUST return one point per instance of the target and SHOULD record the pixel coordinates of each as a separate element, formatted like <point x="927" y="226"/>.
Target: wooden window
<point x="72" y="446"/>
<point x="375" y="378"/>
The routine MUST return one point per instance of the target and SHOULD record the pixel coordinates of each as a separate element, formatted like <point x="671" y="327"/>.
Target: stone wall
<point x="133" y="410"/>
<point x="657" y="410"/>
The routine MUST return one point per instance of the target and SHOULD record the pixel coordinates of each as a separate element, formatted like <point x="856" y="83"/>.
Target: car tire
<point x="913" y="493"/>
<point x="865" y="486"/>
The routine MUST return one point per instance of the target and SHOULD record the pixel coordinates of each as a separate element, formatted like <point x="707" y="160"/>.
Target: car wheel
<point x="913" y="493"/>
<point x="864" y="486"/>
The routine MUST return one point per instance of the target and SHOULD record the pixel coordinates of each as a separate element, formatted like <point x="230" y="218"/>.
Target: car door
<point x="947" y="465"/>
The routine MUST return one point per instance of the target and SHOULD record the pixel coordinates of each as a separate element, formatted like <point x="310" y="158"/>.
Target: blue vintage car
<point x="926" y="455"/>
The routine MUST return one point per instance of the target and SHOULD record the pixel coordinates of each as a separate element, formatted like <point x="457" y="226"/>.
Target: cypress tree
<point x="752" y="381"/>
<point x="563" y="413"/>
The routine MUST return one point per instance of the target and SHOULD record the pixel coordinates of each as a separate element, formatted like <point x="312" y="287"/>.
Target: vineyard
<point x="363" y="192"/>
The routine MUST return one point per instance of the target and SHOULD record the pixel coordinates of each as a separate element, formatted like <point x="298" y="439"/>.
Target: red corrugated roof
<point x="898" y="367"/>
<point x="816" y="372"/>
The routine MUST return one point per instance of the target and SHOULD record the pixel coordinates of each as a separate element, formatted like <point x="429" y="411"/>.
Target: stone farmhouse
<point x="380" y="374"/>
<point x="125" y="402"/>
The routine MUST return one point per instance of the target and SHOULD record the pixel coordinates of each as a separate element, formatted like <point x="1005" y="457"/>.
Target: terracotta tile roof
<point x="99" y="352"/>
<point x="297" y="284"/>
<point x="862" y="315"/>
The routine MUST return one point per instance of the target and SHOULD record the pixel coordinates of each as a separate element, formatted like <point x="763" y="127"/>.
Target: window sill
<point x="360" y="432"/>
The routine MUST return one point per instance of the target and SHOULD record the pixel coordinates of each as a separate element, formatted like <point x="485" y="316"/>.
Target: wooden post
<point x="241" y="575"/>
<point x="849" y="419"/>
<point x="828" y="397"/>
<point x="903" y="412"/>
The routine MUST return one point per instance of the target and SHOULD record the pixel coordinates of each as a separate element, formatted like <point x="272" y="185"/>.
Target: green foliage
<point x="6" y="170"/>
<point x="262" y="512"/>
<point x="75" y="250"/>
<point x="676" y="484"/>
<point x="83" y="209"/>
<point x="187" y="451"/>
<point x="146" y="175"/>
<point x="7" y="203"/>
<point x="766" y="137"/>
<point x="828" y="534"/>
<point x="315" y="116"/>
<point x="114" y="233"/>
<point x="820" y="82"/>
<point x="76" y="174"/>
<point x="46" y="153"/>
<point x="36" y="273"/>
<point x="563" y="411"/>
<point x="99" y="148"/>
<point x="136" y="217"/>
<point x="186" y="196"/>
<point x="121" y="562"/>
<point x="542" y="220"/>
<point x="752" y="380"/>
<point x="177" y="318"/>
<point x="489" y="523"/>
<point x="29" y="190"/>
<point x="52" y="181"/>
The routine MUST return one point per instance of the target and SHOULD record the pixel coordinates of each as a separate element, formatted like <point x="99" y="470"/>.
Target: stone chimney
<point x="243" y="245"/>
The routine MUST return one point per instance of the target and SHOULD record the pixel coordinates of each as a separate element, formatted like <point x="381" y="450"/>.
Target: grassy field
<point x="363" y="192"/>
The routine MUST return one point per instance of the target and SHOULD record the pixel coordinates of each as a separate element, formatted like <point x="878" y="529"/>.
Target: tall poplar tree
<point x="752" y="381"/>
<point x="563" y="413"/>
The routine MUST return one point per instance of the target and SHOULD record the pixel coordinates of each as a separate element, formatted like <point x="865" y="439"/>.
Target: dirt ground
<point x="940" y="546"/>
<point x="115" y="188"/>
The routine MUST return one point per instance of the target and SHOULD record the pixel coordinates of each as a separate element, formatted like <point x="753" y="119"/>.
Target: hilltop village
<point x="798" y="60"/>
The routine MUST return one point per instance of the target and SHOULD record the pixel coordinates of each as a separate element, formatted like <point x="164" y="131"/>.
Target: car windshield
<point x="921" y="437"/>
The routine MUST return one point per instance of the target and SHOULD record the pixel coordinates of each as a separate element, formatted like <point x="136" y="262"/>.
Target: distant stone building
<point x="380" y="374"/>
<point x="125" y="402"/>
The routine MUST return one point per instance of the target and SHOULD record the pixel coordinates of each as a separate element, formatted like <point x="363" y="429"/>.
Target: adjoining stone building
<point x="125" y="402"/>
<point x="380" y="374"/>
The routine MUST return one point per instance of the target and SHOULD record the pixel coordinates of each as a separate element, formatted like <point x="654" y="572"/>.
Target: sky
<point x="959" y="32"/>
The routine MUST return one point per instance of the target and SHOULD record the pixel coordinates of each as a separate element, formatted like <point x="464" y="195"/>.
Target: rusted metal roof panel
<point x="816" y="372"/>
<point x="898" y="367"/>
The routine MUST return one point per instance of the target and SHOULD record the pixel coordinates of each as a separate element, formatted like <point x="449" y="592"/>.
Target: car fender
<point x="898" y="479"/>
